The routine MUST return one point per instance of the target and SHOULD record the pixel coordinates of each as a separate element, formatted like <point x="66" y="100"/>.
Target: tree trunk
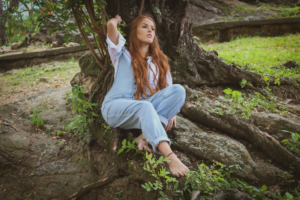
<point x="194" y="67"/>
<point x="3" y="38"/>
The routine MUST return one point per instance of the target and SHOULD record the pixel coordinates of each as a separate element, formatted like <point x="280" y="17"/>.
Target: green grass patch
<point x="259" y="54"/>
<point x="288" y="12"/>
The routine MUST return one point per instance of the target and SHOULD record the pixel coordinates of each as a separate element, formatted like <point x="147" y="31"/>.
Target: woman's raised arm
<point x="112" y="30"/>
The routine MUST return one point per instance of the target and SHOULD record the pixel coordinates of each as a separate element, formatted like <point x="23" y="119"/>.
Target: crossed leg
<point x="148" y="116"/>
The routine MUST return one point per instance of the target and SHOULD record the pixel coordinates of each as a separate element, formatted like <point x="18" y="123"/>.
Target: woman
<point x="142" y="95"/>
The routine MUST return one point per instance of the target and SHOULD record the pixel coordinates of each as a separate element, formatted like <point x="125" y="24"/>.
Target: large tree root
<point x="237" y="128"/>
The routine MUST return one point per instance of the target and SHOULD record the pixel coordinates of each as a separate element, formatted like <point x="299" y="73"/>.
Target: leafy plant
<point x="37" y="119"/>
<point x="129" y="146"/>
<point x="119" y="193"/>
<point x="292" y="144"/>
<point x="59" y="133"/>
<point x="249" y="103"/>
<point x="78" y="124"/>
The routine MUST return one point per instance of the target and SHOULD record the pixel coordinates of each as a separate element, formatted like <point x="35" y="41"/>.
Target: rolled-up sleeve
<point x="113" y="49"/>
<point x="169" y="79"/>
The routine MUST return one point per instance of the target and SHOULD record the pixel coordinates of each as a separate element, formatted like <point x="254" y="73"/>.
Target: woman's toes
<point x="176" y="174"/>
<point x="181" y="173"/>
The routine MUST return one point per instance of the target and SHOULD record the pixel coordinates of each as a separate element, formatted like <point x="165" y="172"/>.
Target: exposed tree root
<point x="239" y="129"/>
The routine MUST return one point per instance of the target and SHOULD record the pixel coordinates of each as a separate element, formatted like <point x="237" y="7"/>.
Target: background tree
<point x="6" y="8"/>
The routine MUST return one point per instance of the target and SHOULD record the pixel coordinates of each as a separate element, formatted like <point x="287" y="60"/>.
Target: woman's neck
<point x="144" y="49"/>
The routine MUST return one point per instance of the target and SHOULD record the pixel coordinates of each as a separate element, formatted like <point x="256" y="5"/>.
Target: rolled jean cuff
<point x="163" y="120"/>
<point x="158" y="140"/>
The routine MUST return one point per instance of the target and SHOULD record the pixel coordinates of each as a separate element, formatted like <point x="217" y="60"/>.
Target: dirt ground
<point x="19" y="83"/>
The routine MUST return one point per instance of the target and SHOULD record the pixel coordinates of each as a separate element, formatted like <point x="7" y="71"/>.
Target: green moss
<point x="88" y="65"/>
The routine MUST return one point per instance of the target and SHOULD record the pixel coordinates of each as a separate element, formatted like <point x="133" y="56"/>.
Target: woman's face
<point x="146" y="31"/>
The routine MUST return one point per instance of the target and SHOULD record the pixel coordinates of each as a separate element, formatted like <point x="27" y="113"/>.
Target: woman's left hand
<point x="171" y="122"/>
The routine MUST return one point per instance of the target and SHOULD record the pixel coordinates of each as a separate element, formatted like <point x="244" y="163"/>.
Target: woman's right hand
<point x="118" y="17"/>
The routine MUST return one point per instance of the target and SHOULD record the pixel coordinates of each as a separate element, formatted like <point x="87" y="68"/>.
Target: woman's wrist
<point x="114" y="21"/>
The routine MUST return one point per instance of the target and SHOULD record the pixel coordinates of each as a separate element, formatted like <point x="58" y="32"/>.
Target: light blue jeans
<point x="146" y="114"/>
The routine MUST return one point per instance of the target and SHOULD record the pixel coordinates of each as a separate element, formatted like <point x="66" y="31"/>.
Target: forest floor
<point x="20" y="83"/>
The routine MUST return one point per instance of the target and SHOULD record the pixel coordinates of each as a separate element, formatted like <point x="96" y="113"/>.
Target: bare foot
<point x="177" y="168"/>
<point x="142" y="143"/>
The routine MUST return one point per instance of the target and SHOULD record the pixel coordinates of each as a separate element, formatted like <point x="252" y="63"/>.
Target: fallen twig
<point x="7" y="124"/>
<point x="89" y="187"/>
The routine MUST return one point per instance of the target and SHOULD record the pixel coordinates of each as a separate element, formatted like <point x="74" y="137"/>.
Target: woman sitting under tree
<point x="143" y="96"/>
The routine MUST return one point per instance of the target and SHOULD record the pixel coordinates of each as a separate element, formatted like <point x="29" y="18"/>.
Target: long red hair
<point x="140" y="66"/>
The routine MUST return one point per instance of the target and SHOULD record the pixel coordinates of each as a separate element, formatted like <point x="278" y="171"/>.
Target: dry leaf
<point x="195" y="195"/>
<point x="189" y="104"/>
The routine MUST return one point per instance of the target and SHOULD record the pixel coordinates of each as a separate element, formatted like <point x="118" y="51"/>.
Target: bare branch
<point x="141" y="8"/>
<point x="79" y="25"/>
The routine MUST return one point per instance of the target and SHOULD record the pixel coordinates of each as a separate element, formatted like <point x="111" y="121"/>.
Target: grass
<point x="288" y="12"/>
<point x="236" y="12"/>
<point x="27" y="79"/>
<point x="259" y="54"/>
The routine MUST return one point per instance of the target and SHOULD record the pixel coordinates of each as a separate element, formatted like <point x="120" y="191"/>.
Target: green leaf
<point x="94" y="114"/>
<point x="264" y="188"/>
<point x="120" y="151"/>
<point x="288" y="195"/>
<point x="227" y="91"/>
<point x="294" y="137"/>
<point x="286" y="140"/>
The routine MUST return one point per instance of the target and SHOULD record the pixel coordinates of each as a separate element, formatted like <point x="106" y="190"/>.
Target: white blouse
<point x="113" y="51"/>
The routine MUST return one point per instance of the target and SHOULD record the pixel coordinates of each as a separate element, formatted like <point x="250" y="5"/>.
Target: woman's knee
<point x="179" y="91"/>
<point x="146" y="106"/>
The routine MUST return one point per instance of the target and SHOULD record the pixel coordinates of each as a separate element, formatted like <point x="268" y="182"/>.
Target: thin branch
<point x="100" y="51"/>
<point x="86" y="21"/>
<point x="101" y="183"/>
<point x="103" y="23"/>
<point x="89" y="8"/>
<point x="79" y="25"/>
<point x="141" y="8"/>
<point x="102" y="44"/>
